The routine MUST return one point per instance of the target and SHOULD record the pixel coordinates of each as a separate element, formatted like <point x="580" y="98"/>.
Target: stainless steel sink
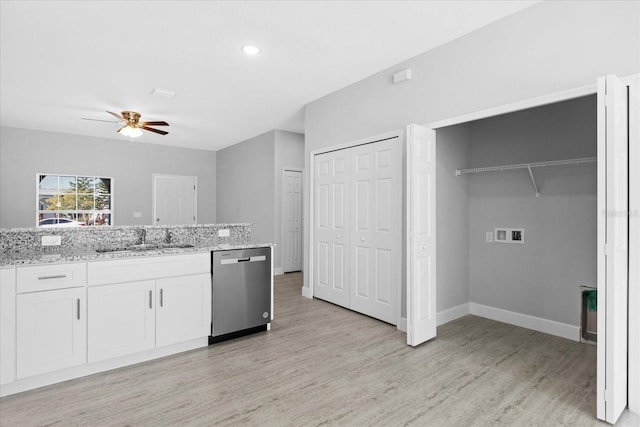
<point x="145" y="247"/>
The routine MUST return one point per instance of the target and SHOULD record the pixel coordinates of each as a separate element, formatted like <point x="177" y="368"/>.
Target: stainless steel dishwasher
<point x="241" y="293"/>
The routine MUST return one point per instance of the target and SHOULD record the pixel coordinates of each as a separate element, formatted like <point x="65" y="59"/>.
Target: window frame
<point x="75" y="213"/>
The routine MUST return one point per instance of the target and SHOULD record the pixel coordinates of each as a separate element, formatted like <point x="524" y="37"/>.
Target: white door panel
<point x="421" y="239"/>
<point x="377" y="232"/>
<point x="174" y="199"/>
<point x="330" y="222"/>
<point x="612" y="248"/>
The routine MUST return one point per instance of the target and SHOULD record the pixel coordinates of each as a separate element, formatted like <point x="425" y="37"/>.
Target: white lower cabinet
<point x="184" y="309"/>
<point x="7" y="325"/>
<point x="121" y="319"/>
<point x="51" y="331"/>
<point x="127" y="318"/>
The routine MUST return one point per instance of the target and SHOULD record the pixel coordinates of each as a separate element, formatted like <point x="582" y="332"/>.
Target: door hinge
<point x="606" y="249"/>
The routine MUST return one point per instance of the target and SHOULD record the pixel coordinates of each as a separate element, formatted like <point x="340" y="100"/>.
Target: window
<point x="72" y="201"/>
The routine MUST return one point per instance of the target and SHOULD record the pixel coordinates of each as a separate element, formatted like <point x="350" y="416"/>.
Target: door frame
<point x="153" y="194"/>
<point x="308" y="292"/>
<point x="282" y="219"/>
<point x="633" y="81"/>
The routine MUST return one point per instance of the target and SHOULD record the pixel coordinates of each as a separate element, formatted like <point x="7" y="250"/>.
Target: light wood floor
<point x="324" y="365"/>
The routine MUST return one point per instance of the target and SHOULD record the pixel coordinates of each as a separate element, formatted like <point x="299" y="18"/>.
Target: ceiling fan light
<point x="130" y="131"/>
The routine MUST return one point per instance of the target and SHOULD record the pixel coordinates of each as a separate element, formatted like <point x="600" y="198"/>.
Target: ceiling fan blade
<point x="161" y="132"/>
<point x="161" y="123"/>
<point x="98" y="120"/>
<point x="117" y="116"/>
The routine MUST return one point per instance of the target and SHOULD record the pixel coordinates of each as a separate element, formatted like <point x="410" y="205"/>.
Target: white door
<point x="331" y="227"/>
<point x="183" y="309"/>
<point x="292" y="220"/>
<point x="421" y="234"/>
<point x="121" y="319"/>
<point x="174" y="199"/>
<point x="51" y="331"/>
<point x="612" y="248"/>
<point x="376" y="229"/>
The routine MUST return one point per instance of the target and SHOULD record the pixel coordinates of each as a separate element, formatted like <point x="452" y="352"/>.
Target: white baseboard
<point x="525" y="321"/>
<point x="278" y="271"/>
<point x="453" y="313"/>
<point x="306" y="292"/>
<point x="442" y="317"/>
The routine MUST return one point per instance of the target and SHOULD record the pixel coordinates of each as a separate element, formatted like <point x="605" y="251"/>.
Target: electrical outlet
<point x="224" y="232"/>
<point x="489" y="236"/>
<point x="137" y="214"/>
<point x="51" y="240"/>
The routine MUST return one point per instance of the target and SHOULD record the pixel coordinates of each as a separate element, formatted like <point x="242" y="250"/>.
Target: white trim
<point x="282" y="217"/>
<point x="442" y="317"/>
<point x="278" y="271"/>
<point x="453" y="313"/>
<point x="49" y="378"/>
<point x="308" y="291"/>
<point x="516" y="106"/>
<point x="153" y="194"/>
<point x="539" y="324"/>
<point x="634" y="244"/>
<point x="402" y="324"/>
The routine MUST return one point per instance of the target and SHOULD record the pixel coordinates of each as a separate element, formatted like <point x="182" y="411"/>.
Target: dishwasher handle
<point x="246" y="259"/>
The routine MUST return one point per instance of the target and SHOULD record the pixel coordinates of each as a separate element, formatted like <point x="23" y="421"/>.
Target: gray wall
<point x="452" y="216"/>
<point x="541" y="277"/>
<point x="24" y="153"/>
<point x="547" y="48"/>
<point x="246" y="185"/>
<point x="289" y="152"/>
<point x="249" y="177"/>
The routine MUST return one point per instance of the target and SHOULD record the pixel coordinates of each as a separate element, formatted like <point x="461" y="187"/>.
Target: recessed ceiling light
<point x="250" y="50"/>
<point x="164" y="93"/>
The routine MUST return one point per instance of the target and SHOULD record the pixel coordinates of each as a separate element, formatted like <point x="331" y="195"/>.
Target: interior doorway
<point x="292" y="220"/>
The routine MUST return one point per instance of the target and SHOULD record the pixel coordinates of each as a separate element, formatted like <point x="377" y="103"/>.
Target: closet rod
<point x="528" y="165"/>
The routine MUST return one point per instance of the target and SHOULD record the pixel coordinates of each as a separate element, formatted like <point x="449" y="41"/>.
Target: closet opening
<point x="517" y="229"/>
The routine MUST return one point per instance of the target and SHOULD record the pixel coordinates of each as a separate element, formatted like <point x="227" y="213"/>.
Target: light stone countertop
<point x="48" y="256"/>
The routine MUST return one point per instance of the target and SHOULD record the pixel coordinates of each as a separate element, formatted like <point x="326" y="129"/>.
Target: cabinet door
<point x="7" y="325"/>
<point x="183" y="309"/>
<point x="121" y="319"/>
<point x="51" y="331"/>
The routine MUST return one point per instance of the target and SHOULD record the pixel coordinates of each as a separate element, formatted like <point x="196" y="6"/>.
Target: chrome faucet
<point x="143" y="236"/>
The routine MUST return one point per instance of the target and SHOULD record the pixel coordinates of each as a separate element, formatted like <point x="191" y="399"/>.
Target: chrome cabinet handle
<point x="161" y="299"/>
<point x="150" y="300"/>
<point x="78" y="307"/>
<point x="57" y="276"/>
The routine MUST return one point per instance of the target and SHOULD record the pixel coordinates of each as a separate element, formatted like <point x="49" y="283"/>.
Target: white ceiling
<point x="65" y="60"/>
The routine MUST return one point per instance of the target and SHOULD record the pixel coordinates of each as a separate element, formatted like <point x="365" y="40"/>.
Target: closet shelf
<point x="528" y="166"/>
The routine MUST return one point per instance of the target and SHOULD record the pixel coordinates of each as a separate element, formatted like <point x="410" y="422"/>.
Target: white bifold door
<point x="357" y="222"/>
<point x="613" y="245"/>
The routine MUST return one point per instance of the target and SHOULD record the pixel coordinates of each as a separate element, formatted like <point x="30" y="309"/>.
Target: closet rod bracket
<point x="533" y="180"/>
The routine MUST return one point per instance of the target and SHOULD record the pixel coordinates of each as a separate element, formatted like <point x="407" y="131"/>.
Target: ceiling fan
<point x="132" y="126"/>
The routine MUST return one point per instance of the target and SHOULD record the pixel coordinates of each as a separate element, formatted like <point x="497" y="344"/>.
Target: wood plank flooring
<point x="324" y="365"/>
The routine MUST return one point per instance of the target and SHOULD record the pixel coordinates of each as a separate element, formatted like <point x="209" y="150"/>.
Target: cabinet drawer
<point x="49" y="277"/>
<point x="147" y="268"/>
